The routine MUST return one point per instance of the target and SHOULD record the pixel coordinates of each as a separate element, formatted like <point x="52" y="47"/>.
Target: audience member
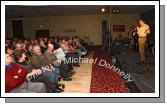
<point x="15" y="76"/>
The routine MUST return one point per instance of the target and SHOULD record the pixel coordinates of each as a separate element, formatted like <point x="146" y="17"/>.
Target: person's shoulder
<point x="46" y="53"/>
<point x="147" y="26"/>
<point x="15" y="64"/>
<point x="33" y="56"/>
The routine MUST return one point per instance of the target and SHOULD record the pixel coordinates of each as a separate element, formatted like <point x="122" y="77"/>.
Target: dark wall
<point x="17" y="26"/>
<point x="149" y="18"/>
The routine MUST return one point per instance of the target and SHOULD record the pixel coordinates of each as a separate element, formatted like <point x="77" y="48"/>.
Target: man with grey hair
<point x="57" y="62"/>
<point x="39" y="61"/>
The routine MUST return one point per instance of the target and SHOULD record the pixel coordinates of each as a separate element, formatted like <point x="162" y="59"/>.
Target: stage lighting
<point x="103" y="9"/>
<point x="115" y="10"/>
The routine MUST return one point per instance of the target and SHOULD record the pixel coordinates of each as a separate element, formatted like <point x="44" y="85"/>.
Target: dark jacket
<point x="43" y="48"/>
<point x="50" y="56"/>
<point x="26" y="66"/>
<point x="39" y="61"/>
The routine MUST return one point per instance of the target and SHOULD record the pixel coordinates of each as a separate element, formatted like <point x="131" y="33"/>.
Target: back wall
<point x="89" y="25"/>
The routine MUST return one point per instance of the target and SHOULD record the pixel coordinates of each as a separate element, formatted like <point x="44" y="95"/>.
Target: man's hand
<point x="137" y="28"/>
<point x="36" y="72"/>
<point x="39" y="72"/>
<point x="58" y="61"/>
<point x="52" y="68"/>
<point x="29" y="75"/>
<point x="54" y="52"/>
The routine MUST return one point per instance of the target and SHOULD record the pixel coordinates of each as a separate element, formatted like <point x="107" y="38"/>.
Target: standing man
<point x="143" y="30"/>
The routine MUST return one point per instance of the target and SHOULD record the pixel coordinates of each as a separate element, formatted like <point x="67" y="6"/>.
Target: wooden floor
<point x="81" y="80"/>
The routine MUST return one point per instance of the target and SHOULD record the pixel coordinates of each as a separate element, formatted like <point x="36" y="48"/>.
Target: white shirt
<point x="143" y="30"/>
<point x="60" y="54"/>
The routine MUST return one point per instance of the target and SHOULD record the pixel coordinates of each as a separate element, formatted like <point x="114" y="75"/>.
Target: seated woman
<point x="15" y="76"/>
<point x="20" y="58"/>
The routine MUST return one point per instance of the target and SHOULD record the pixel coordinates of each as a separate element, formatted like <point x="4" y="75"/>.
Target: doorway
<point x="17" y="26"/>
<point x="42" y="33"/>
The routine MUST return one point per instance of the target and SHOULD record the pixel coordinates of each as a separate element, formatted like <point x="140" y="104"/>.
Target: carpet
<point x="105" y="80"/>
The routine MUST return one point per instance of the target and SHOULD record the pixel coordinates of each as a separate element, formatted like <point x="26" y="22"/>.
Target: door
<point x="42" y="33"/>
<point x="17" y="26"/>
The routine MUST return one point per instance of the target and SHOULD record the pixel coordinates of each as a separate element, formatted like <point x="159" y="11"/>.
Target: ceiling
<point x="17" y="11"/>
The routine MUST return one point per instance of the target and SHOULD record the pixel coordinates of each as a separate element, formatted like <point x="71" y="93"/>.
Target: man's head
<point x="29" y="47"/>
<point x="69" y="41"/>
<point x="36" y="50"/>
<point x="8" y="59"/>
<point x="10" y="50"/>
<point x="41" y="42"/>
<point x="20" y="56"/>
<point x="50" y="47"/>
<point x="141" y="22"/>
<point x="19" y="46"/>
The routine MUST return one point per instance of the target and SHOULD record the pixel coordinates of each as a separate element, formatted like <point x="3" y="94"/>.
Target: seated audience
<point x="69" y="53"/>
<point x="10" y="50"/>
<point x="18" y="47"/>
<point x="42" y="46"/>
<point x="56" y="44"/>
<point x="57" y="62"/>
<point x="37" y="67"/>
<point x="39" y="61"/>
<point x="79" y="48"/>
<point x="29" y="51"/>
<point x="20" y="58"/>
<point x="15" y="76"/>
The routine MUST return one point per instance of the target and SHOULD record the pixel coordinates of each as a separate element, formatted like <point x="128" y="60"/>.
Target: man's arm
<point x="147" y="30"/>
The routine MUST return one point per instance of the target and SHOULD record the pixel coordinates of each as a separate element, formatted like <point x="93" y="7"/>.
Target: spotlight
<point x="103" y="9"/>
